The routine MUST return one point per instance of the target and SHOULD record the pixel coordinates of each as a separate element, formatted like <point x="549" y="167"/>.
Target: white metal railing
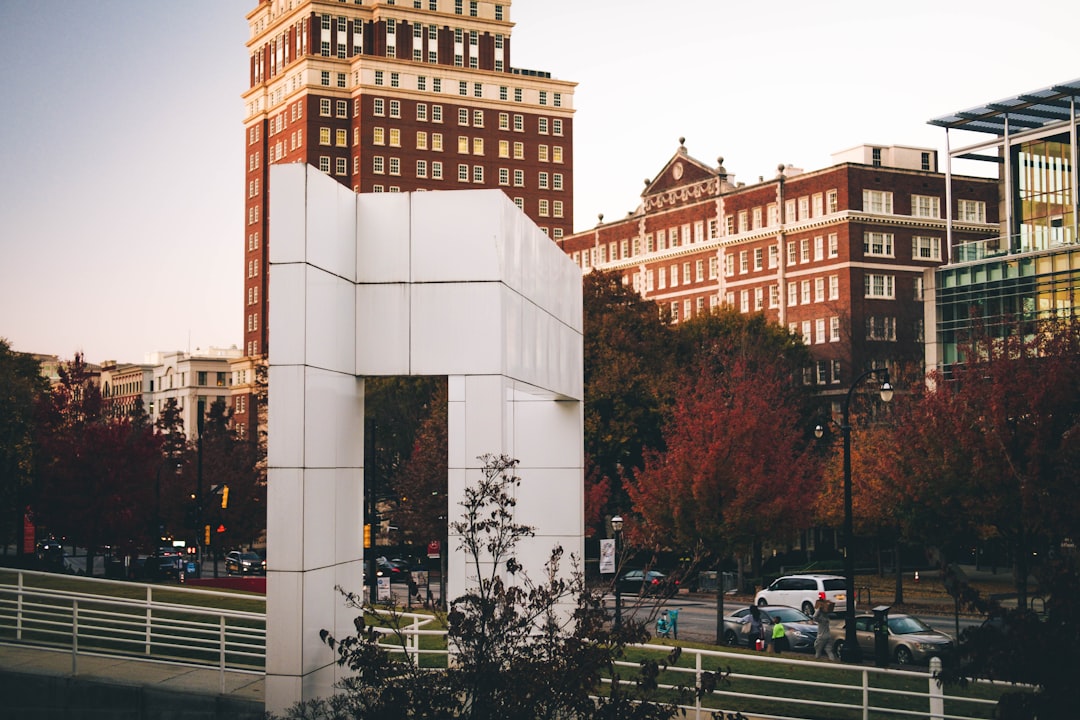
<point x="143" y="628"/>
<point x="158" y="630"/>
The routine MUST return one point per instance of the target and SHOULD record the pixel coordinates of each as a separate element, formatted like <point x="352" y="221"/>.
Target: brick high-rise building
<point x="836" y="255"/>
<point x="396" y="97"/>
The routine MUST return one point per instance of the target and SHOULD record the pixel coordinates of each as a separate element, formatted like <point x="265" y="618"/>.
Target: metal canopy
<point x="1025" y="111"/>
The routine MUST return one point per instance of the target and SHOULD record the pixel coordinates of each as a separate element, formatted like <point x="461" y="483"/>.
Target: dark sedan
<point x="244" y="563"/>
<point x="800" y="630"/>
<point x="647" y="582"/>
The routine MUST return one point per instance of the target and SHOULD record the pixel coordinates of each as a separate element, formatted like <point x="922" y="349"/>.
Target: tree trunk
<point x="719" y="609"/>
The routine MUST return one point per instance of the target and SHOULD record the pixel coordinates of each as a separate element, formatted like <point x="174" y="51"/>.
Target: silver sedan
<point x="800" y="630"/>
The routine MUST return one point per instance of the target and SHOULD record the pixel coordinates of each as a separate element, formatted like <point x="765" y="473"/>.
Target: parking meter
<point x="881" y="635"/>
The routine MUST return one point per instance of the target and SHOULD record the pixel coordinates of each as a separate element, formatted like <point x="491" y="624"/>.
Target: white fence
<point x="158" y="626"/>
<point x="184" y="627"/>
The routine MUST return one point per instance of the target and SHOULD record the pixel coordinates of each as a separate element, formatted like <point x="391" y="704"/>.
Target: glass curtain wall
<point x="1044" y="193"/>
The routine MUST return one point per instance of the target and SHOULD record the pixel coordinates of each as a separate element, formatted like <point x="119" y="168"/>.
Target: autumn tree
<point x="626" y="379"/>
<point x="421" y="508"/>
<point x="992" y="447"/>
<point x="21" y="386"/>
<point x="737" y="467"/>
<point x="96" y="472"/>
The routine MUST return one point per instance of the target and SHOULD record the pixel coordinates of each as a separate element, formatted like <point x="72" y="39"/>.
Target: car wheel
<point x="903" y="656"/>
<point x="730" y="638"/>
<point x="808" y="608"/>
<point x="762" y="602"/>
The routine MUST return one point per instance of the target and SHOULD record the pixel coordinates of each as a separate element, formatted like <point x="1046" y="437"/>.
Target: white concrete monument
<point x="456" y="283"/>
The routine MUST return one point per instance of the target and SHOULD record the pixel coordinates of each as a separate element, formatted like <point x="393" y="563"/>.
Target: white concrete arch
<point x="456" y="283"/>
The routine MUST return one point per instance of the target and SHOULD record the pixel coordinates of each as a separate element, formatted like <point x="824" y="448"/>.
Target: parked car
<point x="800" y="630"/>
<point x="647" y="582"/>
<point x="802" y="591"/>
<point x="910" y="639"/>
<point x="395" y="570"/>
<point x="161" y="568"/>
<point x="244" y="563"/>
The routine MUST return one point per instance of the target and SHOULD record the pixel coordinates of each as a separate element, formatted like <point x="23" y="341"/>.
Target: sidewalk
<point x="38" y="683"/>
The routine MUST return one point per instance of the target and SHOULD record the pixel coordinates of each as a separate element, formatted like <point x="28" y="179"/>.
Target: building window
<point x="395" y="166"/>
<point x="324" y="164"/>
<point x="324" y="136"/>
<point x="421" y="168"/>
<point x="918" y="287"/>
<point x="463" y="144"/>
<point x="875" y="157"/>
<point x="877" y="201"/>
<point x="817" y="205"/>
<point x="971" y="211"/>
<point x="805" y="287"/>
<point x="421" y="140"/>
<point x="378" y="136"/>
<point x="819" y="248"/>
<point x="436" y="113"/>
<point x="519" y="123"/>
<point x="342" y="137"/>
<point x="478" y="173"/>
<point x="729" y="264"/>
<point x="744" y="301"/>
<point x="395" y="108"/>
<point x="925" y="206"/>
<point x="542" y="125"/>
<point x="925" y="248"/>
<point x="542" y="180"/>
<point x="519" y="151"/>
<point x="834" y="329"/>
<point x="378" y="165"/>
<point x="759" y="298"/>
<point x="436" y="142"/>
<point x="324" y="107"/>
<point x="478" y="118"/>
<point x="878" y="244"/>
<point x="519" y="178"/>
<point x="792" y="253"/>
<point x="377" y="107"/>
<point x="504" y="148"/>
<point x="342" y="166"/>
<point x="463" y="173"/>
<point x="880" y="328"/>
<point x="699" y="274"/>
<point x="436" y="170"/>
<point x="819" y="289"/>
<point x="834" y="245"/>
<point x="758" y="258"/>
<point x="804" y="250"/>
<point x="792" y="294"/>
<point x="463" y="116"/>
<point x="556" y="126"/>
<point x="744" y="262"/>
<point x="504" y="176"/>
<point x="879" y="286"/>
<point x="832" y="203"/>
<point x="819" y="331"/>
<point x="834" y="287"/>
<point x="478" y="146"/>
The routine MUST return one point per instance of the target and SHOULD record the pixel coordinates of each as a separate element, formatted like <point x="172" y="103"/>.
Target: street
<point x="697" y="615"/>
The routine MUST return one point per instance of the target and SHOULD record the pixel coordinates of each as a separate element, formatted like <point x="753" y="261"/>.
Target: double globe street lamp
<point x="850" y="651"/>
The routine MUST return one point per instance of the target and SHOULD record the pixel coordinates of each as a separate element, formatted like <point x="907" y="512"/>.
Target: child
<point x="779" y="639"/>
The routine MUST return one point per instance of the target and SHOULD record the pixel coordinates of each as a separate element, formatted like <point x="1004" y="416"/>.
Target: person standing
<point x="755" y="630"/>
<point x="823" y="642"/>
<point x="779" y="636"/>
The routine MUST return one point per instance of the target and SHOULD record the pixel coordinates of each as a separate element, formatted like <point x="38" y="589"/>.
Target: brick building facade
<point x="837" y="255"/>
<point x="395" y="97"/>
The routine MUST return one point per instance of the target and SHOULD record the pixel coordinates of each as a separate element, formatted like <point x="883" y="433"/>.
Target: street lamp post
<point x="616" y="526"/>
<point x="850" y="651"/>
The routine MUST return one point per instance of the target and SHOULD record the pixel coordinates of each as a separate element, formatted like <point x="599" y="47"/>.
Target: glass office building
<point x="1030" y="270"/>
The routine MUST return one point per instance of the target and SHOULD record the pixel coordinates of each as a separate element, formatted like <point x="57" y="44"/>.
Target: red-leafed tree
<point x="737" y="468"/>
<point x="421" y="508"/>
<point x="97" y="473"/>
<point x="991" y="450"/>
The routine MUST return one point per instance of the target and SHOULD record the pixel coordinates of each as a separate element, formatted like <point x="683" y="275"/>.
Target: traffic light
<point x="367" y="536"/>
<point x="206" y="535"/>
<point x="225" y="497"/>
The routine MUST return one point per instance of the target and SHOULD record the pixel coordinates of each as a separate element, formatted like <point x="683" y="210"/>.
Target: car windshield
<point x="786" y="614"/>
<point x="907" y="625"/>
<point x="250" y="556"/>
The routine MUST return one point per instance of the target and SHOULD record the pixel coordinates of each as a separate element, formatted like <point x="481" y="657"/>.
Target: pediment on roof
<point x="680" y="171"/>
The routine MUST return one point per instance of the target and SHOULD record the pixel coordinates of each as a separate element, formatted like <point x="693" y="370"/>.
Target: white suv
<point x="802" y="591"/>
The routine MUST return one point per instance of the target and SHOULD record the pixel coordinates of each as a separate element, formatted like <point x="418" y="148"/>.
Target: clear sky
<point x="121" y="161"/>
